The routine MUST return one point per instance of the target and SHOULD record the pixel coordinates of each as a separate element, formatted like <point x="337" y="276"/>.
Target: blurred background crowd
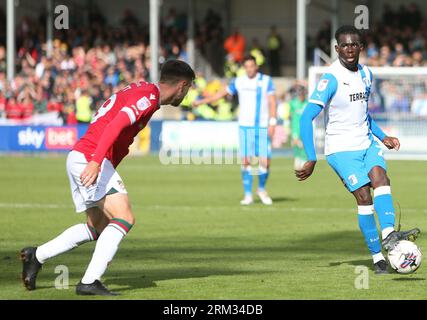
<point x="90" y="62"/>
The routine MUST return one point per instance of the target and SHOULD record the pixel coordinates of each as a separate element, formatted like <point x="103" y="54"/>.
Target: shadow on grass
<point x="129" y="280"/>
<point x="409" y="279"/>
<point x="198" y="257"/>
<point x="283" y="199"/>
<point x="367" y="262"/>
<point x="238" y="251"/>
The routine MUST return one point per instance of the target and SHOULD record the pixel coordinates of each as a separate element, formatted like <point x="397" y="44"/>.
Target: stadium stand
<point x="88" y="63"/>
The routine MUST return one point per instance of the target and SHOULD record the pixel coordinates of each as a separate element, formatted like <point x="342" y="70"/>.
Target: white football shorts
<point x="87" y="197"/>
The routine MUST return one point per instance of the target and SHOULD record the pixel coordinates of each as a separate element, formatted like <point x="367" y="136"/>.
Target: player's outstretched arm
<point x="389" y="142"/>
<point x="220" y="94"/>
<point x="306" y="132"/>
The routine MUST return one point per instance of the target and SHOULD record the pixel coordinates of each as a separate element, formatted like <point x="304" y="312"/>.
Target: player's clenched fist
<point x="89" y="174"/>
<point x="306" y="170"/>
<point x="392" y="143"/>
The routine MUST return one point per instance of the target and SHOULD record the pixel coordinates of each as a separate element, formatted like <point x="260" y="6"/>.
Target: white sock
<point x="69" y="239"/>
<point x="377" y="257"/>
<point x="106" y="247"/>
<point x="386" y="232"/>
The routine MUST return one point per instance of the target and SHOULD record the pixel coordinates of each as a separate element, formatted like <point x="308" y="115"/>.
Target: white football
<point x="405" y="257"/>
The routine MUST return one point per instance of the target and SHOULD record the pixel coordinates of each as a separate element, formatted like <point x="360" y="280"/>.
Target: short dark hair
<point x="347" y="29"/>
<point x="248" y="58"/>
<point x="173" y="71"/>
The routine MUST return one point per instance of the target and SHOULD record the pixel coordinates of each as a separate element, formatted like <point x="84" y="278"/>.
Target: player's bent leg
<point x="247" y="178"/>
<point x="363" y="196"/>
<point x="383" y="203"/>
<point x="97" y="220"/>
<point x="368" y="227"/>
<point x="117" y="207"/>
<point x="378" y="177"/>
<point x="33" y="258"/>
<point x="263" y="173"/>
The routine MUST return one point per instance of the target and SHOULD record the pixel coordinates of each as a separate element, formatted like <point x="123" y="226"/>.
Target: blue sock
<point x="369" y="229"/>
<point x="247" y="179"/>
<point x="383" y="203"/>
<point x="262" y="178"/>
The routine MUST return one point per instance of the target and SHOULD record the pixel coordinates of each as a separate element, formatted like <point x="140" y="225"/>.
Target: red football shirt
<point x="118" y="121"/>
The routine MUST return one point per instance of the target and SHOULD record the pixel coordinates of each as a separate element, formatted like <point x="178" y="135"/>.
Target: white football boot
<point x="247" y="200"/>
<point x="265" y="199"/>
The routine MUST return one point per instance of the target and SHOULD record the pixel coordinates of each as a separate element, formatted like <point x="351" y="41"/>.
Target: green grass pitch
<point x="192" y="239"/>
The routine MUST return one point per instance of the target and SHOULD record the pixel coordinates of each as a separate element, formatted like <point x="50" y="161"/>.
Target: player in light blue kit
<point x="350" y="148"/>
<point x="257" y="120"/>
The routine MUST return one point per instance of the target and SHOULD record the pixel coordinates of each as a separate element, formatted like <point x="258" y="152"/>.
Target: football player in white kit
<point x="257" y="120"/>
<point x="350" y="148"/>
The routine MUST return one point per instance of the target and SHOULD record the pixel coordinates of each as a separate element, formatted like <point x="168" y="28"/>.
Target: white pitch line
<point x="184" y="207"/>
<point x="34" y="205"/>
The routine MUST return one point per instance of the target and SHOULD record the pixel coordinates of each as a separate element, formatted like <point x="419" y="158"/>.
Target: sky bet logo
<point x="53" y="138"/>
<point x="60" y="138"/>
<point x="30" y="137"/>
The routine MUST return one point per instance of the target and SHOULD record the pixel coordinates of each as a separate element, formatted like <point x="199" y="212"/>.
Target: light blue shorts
<point x="353" y="166"/>
<point x="254" y="142"/>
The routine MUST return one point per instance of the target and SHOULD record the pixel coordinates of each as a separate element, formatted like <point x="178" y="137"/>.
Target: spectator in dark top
<point x="274" y="47"/>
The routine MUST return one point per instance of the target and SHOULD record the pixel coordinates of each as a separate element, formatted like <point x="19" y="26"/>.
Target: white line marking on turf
<point x="34" y="205"/>
<point x="185" y="207"/>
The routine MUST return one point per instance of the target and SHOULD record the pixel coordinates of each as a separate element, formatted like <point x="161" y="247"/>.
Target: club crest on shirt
<point x="367" y="82"/>
<point x="353" y="180"/>
<point x="143" y="104"/>
<point x="121" y="184"/>
<point x="321" y="86"/>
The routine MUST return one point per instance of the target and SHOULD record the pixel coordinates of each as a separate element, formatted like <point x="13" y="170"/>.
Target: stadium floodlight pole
<point x="10" y="39"/>
<point x="154" y="40"/>
<point x="49" y="27"/>
<point x="190" y="31"/>
<point x="301" y="36"/>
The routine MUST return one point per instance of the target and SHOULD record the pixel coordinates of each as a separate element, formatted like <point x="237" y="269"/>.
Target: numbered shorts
<point x="254" y="142"/>
<point x="353" y="166"/>
<point x="108" y="182"/>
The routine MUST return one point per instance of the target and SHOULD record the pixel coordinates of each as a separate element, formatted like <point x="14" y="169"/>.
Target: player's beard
<point x="176" y="102"/>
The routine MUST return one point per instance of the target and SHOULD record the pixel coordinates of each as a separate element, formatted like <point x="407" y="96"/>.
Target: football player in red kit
<point x="96" y="187"/>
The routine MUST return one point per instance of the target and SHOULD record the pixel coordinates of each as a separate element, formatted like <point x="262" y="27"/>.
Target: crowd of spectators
<point x="91" y="59"/>
<point x="398" y="39"/>
<point x="88" y="62"/>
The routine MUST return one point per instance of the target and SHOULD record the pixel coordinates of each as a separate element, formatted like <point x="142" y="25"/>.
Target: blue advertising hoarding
<point x="55" y="138"/>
